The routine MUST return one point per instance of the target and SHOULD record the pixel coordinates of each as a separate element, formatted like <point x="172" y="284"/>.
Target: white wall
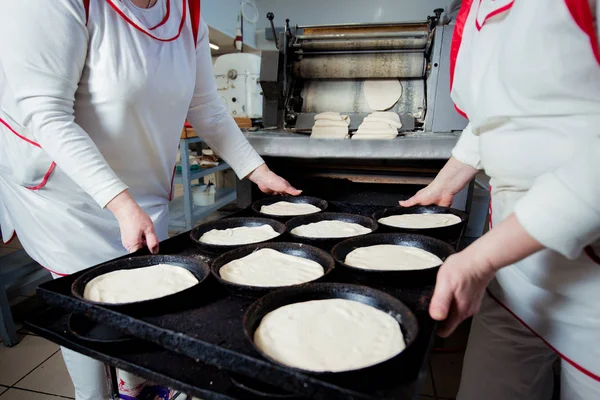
<point x="317" y="12"/>
<point x="222" y="16"/>
<point x="320" y="12"/>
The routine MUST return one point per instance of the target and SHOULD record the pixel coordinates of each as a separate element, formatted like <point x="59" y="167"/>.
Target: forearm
<point x="455" y="175"/>
<point x="504" y="245"/>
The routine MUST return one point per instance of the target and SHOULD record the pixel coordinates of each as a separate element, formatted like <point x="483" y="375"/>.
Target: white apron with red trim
<point x="132" y="100"/>
<point x="527" y="76"/>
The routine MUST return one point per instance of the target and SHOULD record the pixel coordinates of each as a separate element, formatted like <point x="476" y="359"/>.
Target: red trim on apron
<point x="45" y="180"/>
<point x="582" y="14"/>
<point x="139" y="28"/>
<point x="14" y="235"/>
<point x="461" y="20"/>
<point x="52" y="166"/>
<point x="3" y="122"/>
<point x="567" y="359"/>
<point x="491" y="210"/>
<point x="86" y="6"/>
<point x="195" y="17"/>
<point x="54" y="272"/>
<point x="492" y="14"/>
<point x="592" y="254"/>
<point x="172" y="182"/>
<point x="166" y="17"/>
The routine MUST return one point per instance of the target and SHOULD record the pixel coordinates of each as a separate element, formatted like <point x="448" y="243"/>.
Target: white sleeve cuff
<point x="103" y="195"/>
<point x="557" y="218"/>
<point x="467" y="149"/>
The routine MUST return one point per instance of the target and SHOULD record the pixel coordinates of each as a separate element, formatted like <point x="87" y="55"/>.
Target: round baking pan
<point x="378" y="375"/>
<point x="385" y="277"/>
<point x="451" y="232"/>
<point x="227" y="223"/>
<point x="252" y="389"/>
<point x="327" y="243"/>
<point x="293" y="249"/>
<point x="187" y="297"/>
<point x="87" y="330"/>
<point x="257" y="205"/>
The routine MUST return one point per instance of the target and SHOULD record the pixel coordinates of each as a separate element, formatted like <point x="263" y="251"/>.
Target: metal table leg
<point x="188" y="205"/>
<point x="113" y="383"/>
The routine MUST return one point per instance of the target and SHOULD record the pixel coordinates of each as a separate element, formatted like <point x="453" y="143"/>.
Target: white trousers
<point x="505" y="361"/>
<point x="88" y="376"/>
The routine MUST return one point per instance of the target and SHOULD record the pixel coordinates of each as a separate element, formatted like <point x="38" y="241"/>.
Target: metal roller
<point x="370" y="44"/>
<point x="361" y="66"/>
<point x="348" y="96"/>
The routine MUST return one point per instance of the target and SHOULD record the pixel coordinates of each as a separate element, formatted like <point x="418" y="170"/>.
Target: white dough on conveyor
<point x="391" y="257"/>
<point x="332" y="116"/>
<point x="379" y="125"/>
<point x="382" y="94"/>
<point x="330" y="125"/>
<point x="139" y="284"/>
<point x="239" y="235"/>
<point x="329" y="335"/>
<point x="271" y="268"/>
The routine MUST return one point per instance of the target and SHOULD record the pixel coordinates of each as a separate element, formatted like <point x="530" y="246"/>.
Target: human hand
<point x="137" y="229"/>
<point x="434" y="193"/>
<point x="451" y="179"/>
<point x="461" y="283"/>
<point x="270" y="183"/>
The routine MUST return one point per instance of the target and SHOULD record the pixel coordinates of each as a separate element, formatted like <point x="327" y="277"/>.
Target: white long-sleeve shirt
<point x="105" y="95"/>
<point x="527" y="75"/>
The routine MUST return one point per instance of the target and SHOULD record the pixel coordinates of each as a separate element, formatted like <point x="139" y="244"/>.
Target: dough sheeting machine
<point x="324" y="68"/>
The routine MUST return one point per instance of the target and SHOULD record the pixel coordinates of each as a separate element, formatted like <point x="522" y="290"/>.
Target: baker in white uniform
<point x="527" y="76"/>
<point x="93" y="97"/>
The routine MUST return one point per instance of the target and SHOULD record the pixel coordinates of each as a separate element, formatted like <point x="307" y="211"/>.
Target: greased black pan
<point x="198" y="268"/>
<point x="227" y="223"/>
<point x="90" y="331"/>
<point x="410" y="278"/>
<point x="326" y="243"/>
<point x="294" y="249"/>
<point x="445" y="232"/>
<point x="257" y="205"/>
<point x="372" y="376"/>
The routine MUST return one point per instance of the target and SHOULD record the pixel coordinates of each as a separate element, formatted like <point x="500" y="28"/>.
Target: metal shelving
<point x="182" y="211"/>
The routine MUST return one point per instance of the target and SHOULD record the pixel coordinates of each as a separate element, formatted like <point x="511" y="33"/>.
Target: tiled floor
<point x="33" y="369"/>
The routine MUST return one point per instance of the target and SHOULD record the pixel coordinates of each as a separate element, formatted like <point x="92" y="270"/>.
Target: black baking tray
<point x="212" y="331"/>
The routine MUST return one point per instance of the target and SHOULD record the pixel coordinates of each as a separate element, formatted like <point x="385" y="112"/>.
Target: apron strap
<point x="194" y="7"/>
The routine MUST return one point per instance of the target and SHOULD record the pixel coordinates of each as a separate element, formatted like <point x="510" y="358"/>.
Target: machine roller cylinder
<point x="361" y="66"/>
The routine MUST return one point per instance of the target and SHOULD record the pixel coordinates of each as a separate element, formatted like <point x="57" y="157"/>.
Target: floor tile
<point x="446" y="373"/>
<point x="23" y="358"/>
<point x="50" y="377"/>
<point x="3" y="389"/>
<point x="5" y="250"/>
<point x="18" y="394"/>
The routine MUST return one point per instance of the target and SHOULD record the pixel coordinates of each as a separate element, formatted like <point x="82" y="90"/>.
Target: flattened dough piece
<point x="329" y="335"/>
<point x="270" y="268"/>
<point x="330" y="229"/>
<point x="420" y="221"/>
<point x="391" y="257"/>
<point x="239" y="235"/>
<point x="332" y="116"/>
<point x="329" y="132"/>
<point x="382" y="94"/>
<point x="139" y="284"/>
<point x="286" y="208"/>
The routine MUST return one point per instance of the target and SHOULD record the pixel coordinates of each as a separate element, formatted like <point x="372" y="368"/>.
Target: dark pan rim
<point x="279" y="227"/>
<point x="386" y="239"/>
<point x="71" y="321"/>
<point x="367" y="222"/>
<point x="201" y="273"/>
<point x="225" y="258"/>
<point x="432" y="209"/>
<point x="404" y="311"/>
<point x="315" y="201"/>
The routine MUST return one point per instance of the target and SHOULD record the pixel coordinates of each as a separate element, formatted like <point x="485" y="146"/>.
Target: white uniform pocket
<point x="22" y="160"/>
